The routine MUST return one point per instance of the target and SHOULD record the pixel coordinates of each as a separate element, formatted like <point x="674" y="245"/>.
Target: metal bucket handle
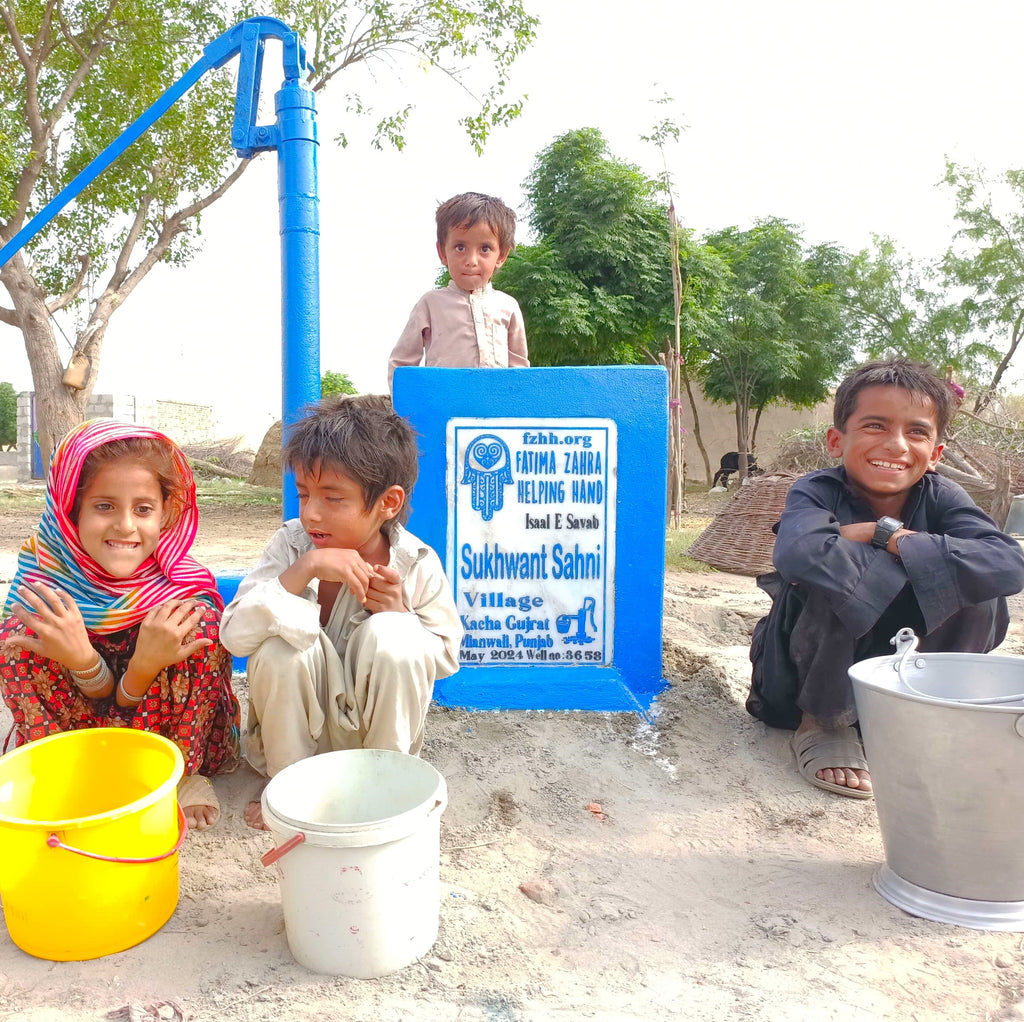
<point x="906" y="642"/>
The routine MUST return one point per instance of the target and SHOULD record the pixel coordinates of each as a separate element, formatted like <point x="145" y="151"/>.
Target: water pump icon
<point x="580" y="637"/>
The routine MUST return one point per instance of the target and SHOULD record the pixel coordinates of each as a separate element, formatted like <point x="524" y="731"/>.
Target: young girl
<point x="109" y="621"/>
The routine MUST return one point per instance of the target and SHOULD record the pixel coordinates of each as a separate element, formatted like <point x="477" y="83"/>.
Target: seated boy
<point x="467" y="324"/>
<point x="863" y="550"/>
<point x="348" y="619"/>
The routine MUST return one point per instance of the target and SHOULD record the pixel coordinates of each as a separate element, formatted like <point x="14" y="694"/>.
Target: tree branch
<point x="985" y="422"/>
<point x="172" y="227"/>
<point x="42" y="130"/>
<point x="56" y="304"/>
<point x="96" y="48"/>
<point x="65" y="31"/>
<point x="31" y="106"/>
<point x="9" y="317"/>
<point x="45" y="44"/>
<point x="958" y="460"/>
<point x="986" y="395"/>
<point x="24" y="56"/>
<point x="120" y="271"/>
<point x="968" y="482"/>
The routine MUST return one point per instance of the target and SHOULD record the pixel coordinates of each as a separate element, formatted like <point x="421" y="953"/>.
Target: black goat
<point x="731" y="463"/>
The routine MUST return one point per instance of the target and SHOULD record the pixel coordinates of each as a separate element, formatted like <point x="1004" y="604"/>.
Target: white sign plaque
<point x="531" y="538"/>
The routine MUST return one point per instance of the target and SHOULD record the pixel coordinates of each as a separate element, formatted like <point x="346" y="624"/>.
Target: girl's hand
<point x="162" y="636"/>
<point x="385" y="591"/>
<point x="55" y="619"/>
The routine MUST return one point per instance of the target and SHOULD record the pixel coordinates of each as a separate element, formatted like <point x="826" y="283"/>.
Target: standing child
<point x="109" y="621"/>
<point x="467" y="323"/>
<point x="348" y="619"/>
<point x="863" y="550"/>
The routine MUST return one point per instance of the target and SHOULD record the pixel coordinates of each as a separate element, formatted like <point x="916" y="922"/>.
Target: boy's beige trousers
<point x="303" y="702"/>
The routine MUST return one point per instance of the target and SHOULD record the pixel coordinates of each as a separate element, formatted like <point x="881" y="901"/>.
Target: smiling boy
<point x="348" y="619"/>
<point x="862" y="550"/>
<point x="468" y="323"/>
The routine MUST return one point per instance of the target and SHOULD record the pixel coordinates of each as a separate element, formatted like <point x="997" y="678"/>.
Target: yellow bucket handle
<point x="55" y="842"/>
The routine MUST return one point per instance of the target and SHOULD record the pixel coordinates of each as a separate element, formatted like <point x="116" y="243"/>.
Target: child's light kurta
<point x="362" y="680"/>
<point x="454" y="328"/>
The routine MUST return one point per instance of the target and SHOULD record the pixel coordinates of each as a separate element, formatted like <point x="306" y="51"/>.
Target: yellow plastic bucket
<point x="73" y="808"/>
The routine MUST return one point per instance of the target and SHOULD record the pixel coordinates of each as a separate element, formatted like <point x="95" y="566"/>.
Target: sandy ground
<point x="718" y="886"/>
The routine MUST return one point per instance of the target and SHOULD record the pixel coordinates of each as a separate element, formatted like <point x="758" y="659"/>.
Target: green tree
<point x="596" y="287"/>
<point x="336" y="383"/>
<point x="895" y="306"/>
<point x="778" y="334"/>
<point x="986" y="262"/>
<point x="8" y="416"/>
<point x="75" y="73"/>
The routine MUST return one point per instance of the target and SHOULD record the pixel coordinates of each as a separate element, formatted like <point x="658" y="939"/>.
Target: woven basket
<point x="740" y="539"/>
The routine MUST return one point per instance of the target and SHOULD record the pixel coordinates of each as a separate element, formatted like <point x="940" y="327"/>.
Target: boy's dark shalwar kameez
<point x="836" y="601"/>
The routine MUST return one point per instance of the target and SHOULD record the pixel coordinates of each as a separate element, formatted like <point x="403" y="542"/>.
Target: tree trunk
<point x="753" y="432"/>
<point x="1015" y="335"/>
<point x="742" y="431"/>
<point x="1001" y="498"/>
<point x="58" y="408"/>
<point x="696" y="424"/>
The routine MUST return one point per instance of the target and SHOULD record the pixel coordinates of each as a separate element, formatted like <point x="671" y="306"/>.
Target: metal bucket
<point x="944" y="738"/>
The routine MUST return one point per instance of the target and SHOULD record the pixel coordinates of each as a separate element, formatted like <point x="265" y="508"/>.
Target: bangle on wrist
<point x="90" y="672"/>
<point x="91" y="686"/>
<point x="126" y="695"/>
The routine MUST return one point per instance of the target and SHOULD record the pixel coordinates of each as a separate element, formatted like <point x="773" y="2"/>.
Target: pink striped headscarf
<point x="56" y="556"/>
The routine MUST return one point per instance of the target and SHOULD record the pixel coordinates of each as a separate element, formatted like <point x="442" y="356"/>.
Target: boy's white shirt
<point x="262" y="607"/>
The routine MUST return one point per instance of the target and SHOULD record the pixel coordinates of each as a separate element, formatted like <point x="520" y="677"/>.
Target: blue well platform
<point x="543" y="491"/>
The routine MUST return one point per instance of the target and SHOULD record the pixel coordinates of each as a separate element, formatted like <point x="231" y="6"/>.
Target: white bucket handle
<point x="281" y="850"/>
<point x="278" y="851"/>
<point x="906" y="642"/>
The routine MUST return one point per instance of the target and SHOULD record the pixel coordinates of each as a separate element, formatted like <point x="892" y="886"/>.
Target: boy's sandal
<point x="196" y="790"/>
<point x="820" y="748"/>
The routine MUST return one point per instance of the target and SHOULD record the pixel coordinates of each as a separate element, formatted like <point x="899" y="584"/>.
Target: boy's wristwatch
<point x="885" y="529"/>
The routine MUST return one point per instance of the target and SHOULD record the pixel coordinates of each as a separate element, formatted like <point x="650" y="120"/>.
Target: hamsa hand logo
<point x="487" y="470"/>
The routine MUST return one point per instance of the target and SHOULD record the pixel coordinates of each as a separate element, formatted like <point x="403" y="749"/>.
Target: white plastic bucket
<point x="358" y="837"/>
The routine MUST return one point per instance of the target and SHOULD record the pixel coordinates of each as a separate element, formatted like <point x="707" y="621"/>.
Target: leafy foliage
<point x="986" y="260"/>
<point x="336" y="383"/>
<point x="100" y="69"/>
<point x="778" y="334"/>
<point x="596" y="288"/>
<point x="896" y="307"/>
<point x="443" y="35"/>
<point x="8" y="415"/>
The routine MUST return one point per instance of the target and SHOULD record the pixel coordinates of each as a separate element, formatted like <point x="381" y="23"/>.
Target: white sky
<point x="835" y="117"/>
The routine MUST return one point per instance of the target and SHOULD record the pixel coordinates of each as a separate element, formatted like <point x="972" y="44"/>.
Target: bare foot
<point x="200" y="817"/>
<point x="253" y="814"/>
<point x="198" y="802"/>
<point x="849" y="777"/>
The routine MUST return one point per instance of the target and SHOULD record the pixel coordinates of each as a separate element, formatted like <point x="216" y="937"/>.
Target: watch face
<point x="892" y="524"/>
